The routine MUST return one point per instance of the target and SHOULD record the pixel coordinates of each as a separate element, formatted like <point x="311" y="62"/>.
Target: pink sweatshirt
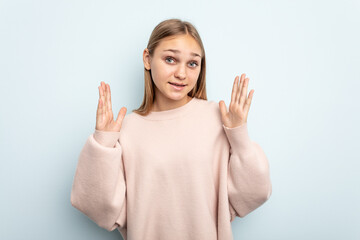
<point x="175" y="174"/>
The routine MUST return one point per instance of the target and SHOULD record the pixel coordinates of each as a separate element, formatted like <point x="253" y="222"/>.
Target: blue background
<point x="302" y="58"/>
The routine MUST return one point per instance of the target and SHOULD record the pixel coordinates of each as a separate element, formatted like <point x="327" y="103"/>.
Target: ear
<point x="146" y="59"/>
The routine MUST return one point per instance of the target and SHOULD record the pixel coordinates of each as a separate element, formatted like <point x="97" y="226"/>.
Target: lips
<point x="177" y="84"/>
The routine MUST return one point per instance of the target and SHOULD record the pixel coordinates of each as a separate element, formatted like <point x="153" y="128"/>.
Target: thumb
<point x="223" y="109"/>
<point x="121" y="115"/>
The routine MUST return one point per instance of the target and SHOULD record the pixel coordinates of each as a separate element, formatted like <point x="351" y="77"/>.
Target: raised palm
<point x="104" y="115"/>
<point x="239" y="105"/>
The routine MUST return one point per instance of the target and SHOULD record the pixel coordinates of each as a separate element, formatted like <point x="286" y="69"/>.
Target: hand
<point x="239" y="105"/>
<point x="104" y="115"/>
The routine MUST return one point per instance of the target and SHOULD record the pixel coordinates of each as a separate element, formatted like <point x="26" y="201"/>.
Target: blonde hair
<point x="166" y="28"/>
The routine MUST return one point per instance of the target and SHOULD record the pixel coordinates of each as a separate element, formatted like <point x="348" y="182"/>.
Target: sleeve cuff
<point x="238" y="137"/>
<point x="105" y="138"/>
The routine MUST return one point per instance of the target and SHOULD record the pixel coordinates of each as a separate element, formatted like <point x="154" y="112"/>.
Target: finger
<point x="244" y="92"/>
<point x="99" y="110"/>
<point x="234" y="89"/>
<point x="109" y="108"/>
<point x="121" y="115"/>
<point x="99" y="115"/>
<point x="108" y="96"/>
<point x="103" y="98"/>
<point x="238" y="92"/>
<point x="105" y="95"/>
<point x="223" y="109"/>
<point x="248" y="101"/>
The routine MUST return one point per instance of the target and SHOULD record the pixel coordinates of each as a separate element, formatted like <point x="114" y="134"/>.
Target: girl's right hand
<point x="104" y="115"/>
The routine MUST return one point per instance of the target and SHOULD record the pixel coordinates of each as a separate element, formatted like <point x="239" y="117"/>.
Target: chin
<point x="177" y="97"/>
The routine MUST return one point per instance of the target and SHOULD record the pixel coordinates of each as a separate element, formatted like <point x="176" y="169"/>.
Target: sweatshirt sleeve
<point x="99" y="185"/>
<point x="249" y="184"/>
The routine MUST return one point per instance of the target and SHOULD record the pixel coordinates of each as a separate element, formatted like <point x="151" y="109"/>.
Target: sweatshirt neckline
<point x="172" y="113"/>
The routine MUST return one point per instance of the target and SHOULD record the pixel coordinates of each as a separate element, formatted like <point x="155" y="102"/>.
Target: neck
<point x="164" y="104"/>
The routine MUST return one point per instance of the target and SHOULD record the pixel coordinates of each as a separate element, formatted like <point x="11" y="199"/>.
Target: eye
<point x="168" y="58"/>
<point x="196" y="64"/>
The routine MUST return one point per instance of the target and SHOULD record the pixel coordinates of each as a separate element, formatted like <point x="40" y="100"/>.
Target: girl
<point x="179" y="166"/>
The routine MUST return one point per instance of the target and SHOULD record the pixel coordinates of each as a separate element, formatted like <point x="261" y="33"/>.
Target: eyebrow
<point x="177" y="51"/>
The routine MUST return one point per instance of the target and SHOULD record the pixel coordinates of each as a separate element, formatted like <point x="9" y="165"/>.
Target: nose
<point x="180" y="72"/>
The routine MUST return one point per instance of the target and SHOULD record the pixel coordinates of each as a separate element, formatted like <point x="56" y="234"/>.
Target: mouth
<point x="177" y="84"/>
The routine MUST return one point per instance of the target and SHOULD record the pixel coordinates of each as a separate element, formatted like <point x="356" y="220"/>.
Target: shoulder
<point x="209" y="110"/>
<point x="128" y="119"/>
<point x="208" y="105"/>
<point x="130" y="126"/>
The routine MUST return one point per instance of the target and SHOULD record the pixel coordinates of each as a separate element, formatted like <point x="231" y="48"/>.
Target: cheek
<point x="166" y="70"/>
<point x="194" y="75"/>
<point x="162" y="72"/>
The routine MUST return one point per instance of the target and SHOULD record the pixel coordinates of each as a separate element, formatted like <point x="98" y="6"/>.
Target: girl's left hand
<point x="239" y="105"/>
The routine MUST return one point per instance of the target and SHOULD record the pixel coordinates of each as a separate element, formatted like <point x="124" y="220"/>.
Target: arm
<point x="99" y="187"/>
<point x="249" y="184"/>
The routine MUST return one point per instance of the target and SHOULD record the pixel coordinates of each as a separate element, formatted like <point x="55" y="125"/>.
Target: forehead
<point x="184" y="43"/>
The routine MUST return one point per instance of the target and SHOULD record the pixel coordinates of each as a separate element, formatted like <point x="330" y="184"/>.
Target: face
<point x="176" y="61"/>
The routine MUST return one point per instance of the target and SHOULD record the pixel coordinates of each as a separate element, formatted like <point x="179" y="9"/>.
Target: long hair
<point x="166" y="28"/>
